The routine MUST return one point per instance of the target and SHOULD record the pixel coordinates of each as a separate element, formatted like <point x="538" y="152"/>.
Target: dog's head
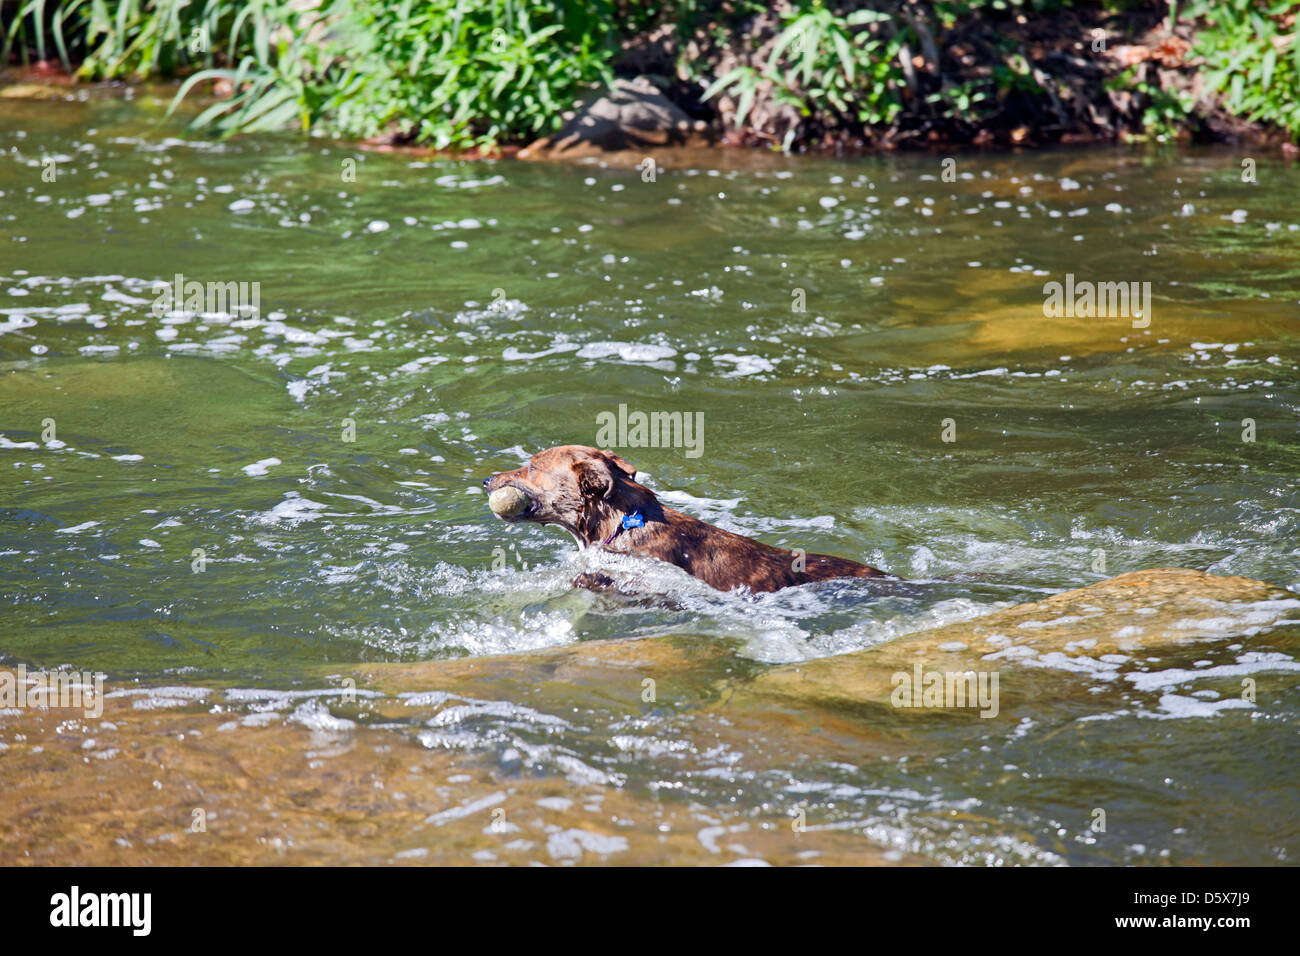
<point x="570" y="485"/>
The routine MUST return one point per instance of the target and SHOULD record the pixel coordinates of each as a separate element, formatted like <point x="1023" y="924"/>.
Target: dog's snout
<point x="488" y="480"/>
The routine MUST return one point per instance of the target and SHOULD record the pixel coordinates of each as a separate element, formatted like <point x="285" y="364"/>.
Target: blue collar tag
<point x="634" y="520"/>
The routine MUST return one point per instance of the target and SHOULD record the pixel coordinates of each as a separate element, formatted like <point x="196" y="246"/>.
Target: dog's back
<point x="727" y="560"/>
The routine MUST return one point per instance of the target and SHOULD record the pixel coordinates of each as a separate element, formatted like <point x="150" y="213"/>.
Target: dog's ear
<point x="594" y="478"/>
<point x="620" y="464"/>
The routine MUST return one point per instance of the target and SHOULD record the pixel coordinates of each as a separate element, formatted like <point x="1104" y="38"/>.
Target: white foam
<point x="628" y="352"/>
<point x="571" y="844"/>
<point x="1251" y="662"/>
<point x="261" y="467"/>
<point x="77" y="529"/>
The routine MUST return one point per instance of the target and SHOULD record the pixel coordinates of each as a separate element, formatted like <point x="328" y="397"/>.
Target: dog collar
<point x="634" y="520"/>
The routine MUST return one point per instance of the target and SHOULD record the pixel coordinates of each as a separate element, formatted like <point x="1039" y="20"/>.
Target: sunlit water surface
<point x="202" y="519"/>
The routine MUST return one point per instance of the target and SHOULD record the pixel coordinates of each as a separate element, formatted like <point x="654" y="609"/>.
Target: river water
<point x="257" y="506"/>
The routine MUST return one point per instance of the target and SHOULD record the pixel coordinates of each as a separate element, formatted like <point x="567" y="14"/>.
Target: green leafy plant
<point x="1164" y="113"/>
<point x="742" y="82"/>
<point x="826" y="63"/>
<point x="452" y="74"/>
<point x="966" y="101"/>
<point x="1250" y="58"/>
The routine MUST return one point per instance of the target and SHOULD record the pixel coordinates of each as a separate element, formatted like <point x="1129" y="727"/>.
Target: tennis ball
<point x="507" y="502"/>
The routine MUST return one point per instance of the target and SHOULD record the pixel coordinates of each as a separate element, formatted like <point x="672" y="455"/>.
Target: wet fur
<point x="587" y="492"/>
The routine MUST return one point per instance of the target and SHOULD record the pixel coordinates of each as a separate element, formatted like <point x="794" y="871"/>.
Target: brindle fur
<point x="587" y="492"/>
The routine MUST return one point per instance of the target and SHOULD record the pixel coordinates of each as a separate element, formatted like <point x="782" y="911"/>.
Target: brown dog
<point x="590" y="494"/>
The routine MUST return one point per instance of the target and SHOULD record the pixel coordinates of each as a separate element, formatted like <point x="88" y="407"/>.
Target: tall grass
<point x="124" y="39"/>
<point x="452" y="73"/>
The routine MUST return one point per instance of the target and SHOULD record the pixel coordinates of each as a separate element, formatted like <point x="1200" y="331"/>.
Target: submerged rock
<point x="557" y="756"/>
<point x="423" y="777"/>
<point x="631" y="115"/>
<point x="605" y="673"/>
<point x="1092" y="629"/>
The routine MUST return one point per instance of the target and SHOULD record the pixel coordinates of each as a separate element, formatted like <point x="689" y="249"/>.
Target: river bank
<point x="800" y="75"/>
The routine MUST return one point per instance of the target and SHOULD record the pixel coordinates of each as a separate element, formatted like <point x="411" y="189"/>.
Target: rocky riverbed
<point x="429" y="762"/>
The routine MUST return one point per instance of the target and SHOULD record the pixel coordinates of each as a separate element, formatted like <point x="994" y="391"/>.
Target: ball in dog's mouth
<point x="507" y="502"/>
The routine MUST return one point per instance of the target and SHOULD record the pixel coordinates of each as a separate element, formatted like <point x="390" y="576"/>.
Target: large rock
<point x="1069" y="632"/>
<point x="631" y="115"/>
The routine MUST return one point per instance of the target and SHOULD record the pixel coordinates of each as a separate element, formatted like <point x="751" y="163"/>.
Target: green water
<point x="459" y="316"/>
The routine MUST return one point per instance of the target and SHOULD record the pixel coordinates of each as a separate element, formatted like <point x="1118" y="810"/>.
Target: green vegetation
<point x="1250" y="57"/>
<point x="450" y="73"/>
<point x="477" y="73"/>
<point x="819" y="63"/>
<point x="1164" y="113"/>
